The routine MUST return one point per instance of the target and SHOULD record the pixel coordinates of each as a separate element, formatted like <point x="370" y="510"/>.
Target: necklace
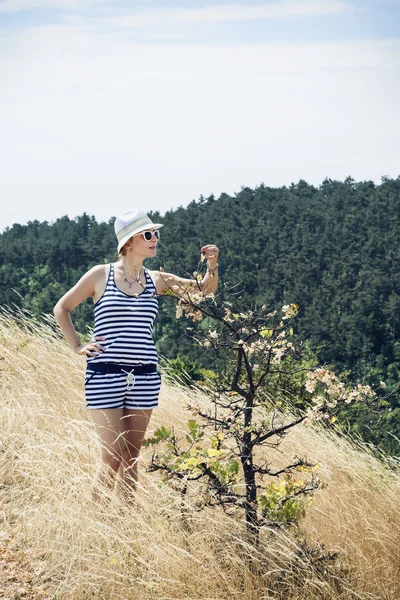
<point x="136" y="277"/>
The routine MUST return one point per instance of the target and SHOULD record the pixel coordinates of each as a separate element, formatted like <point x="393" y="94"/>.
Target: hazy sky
<point x="109" y="105"/>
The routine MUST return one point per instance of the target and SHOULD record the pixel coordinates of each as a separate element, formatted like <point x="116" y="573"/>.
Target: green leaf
<point x="266" y="333"/>
<point x="194" y="434"/>
<point x="159" y="435"/>
<point x="233" y="466"/>
<point x="213" y="452"/>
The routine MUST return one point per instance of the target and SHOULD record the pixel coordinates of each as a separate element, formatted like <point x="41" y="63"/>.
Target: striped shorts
<point x="115" y="390"/>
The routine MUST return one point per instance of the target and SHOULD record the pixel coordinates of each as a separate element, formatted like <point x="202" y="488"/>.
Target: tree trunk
<point x="252" y="521"/>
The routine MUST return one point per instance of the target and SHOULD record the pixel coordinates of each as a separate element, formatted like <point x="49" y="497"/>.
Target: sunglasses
<point x="148" y="235"/>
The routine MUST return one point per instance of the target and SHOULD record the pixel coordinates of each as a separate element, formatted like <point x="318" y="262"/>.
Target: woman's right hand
<point x="92" y="348"/>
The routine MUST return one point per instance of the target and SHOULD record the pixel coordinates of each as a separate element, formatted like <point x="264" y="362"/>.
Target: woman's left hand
<point x="211" y="252"/>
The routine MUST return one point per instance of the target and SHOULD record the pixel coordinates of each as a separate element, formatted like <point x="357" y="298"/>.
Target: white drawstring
<point x="130" y="380"/>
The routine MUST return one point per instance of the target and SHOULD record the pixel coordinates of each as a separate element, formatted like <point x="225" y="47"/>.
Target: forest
<point x="333" y="249"/>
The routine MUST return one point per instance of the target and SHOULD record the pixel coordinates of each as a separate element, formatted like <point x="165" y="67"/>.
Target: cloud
<point x="10" y="6"/>
<point x="212" y="13"/>
<point x="226" y="13"/>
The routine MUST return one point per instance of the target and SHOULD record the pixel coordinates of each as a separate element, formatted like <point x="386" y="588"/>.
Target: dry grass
<point x="58" y="544"/>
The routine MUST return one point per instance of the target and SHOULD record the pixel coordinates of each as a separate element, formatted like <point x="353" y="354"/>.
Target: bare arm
<point x="87" y="286"/>
<point x="167" y="283"/>
<point x="170" y="283"/>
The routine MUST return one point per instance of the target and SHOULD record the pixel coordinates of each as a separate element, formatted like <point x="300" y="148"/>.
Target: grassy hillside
<point x="58" y="544"/>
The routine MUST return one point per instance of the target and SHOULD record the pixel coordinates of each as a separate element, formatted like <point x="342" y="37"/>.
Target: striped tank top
<point x="127" y="324"/>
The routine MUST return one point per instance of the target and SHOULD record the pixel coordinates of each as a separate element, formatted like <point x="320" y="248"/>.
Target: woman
<point x="122" y="382"/>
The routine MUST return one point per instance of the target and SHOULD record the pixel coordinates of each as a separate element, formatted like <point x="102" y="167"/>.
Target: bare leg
<point x="133" y="428"/>
<point x="108" y="427"/>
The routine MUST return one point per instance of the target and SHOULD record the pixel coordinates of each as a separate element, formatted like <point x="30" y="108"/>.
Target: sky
<point x="111" y="105"/>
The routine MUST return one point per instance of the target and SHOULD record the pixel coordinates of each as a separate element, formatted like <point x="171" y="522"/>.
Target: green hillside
<point x="332" y="249"/>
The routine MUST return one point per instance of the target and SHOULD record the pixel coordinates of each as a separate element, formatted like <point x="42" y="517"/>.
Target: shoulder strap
<point x="110" y="274"/>
<point x="148" y="276"/>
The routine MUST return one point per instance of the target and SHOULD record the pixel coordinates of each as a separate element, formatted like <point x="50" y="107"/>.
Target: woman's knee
<point x="130" y="455"/>
<point x="111" y="459"/>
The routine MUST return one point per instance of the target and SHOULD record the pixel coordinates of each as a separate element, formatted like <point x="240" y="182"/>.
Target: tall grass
<point x="57" y="543"/>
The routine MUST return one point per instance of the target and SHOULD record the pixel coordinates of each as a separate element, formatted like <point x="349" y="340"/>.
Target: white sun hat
<point x="130" y="224"/>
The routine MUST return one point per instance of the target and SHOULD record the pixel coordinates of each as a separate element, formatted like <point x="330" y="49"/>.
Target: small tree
<point x="249" y="409"/>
